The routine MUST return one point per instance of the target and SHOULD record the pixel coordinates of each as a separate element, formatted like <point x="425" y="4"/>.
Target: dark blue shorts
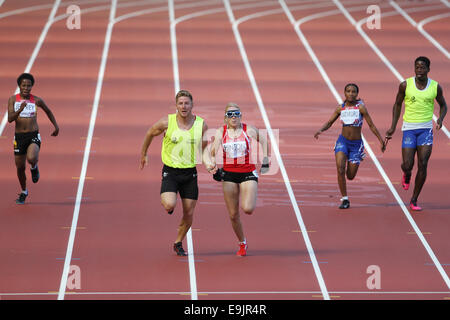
<point x="353" y="149"/>
<point x="418" y="137"/>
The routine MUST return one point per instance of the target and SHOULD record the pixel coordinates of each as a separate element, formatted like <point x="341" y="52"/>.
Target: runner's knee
<point x="248" y="209"/>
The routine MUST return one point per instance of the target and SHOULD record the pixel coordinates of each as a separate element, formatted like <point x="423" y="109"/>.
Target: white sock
<point x="243" y="242"/>
<point x="344" y="198"/>
<point x="25" y="191"/>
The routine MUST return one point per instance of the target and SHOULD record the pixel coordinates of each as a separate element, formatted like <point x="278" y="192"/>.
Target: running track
<point x="285" y="62"/>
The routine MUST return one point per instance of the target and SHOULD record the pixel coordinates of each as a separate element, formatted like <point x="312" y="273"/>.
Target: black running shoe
<point x="21" y="198"/>
<point x="178" y="248"/>
<point x="345" y="204"/>
<point x="35" y="174"/>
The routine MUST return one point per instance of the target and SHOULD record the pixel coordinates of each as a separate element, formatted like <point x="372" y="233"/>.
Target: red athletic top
<point x="236" y="152"/>
<point x="30" y="110"/>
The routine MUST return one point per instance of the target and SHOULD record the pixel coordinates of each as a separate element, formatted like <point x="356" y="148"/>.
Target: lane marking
<point x="419" y="26"/>
<point x="131" y="293"/>
<point x="76" y="211"/>
<point x="381" y="170"/>
<point x="52" y="19"/>
<point x="176" y="80"/>
<point x="446" y="3"/>
<point x="413" y="232"/>
<point x="262" y="109"/>
<point x="320" y="296"/>
<point x="78" y="228"/>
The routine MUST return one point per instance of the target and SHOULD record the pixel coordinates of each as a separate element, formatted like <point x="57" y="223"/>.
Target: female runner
<point x="238" y="175"/>
<point x="349" y="147"/>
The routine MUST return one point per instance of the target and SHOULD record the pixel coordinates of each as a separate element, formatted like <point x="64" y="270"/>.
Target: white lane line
<point x="372" y="155"/>
<point x="87" y="150"/>
<point x="262" y="109"/>
<point x="176" y="79"/>
<point x="34" y="55"/>
<point x="52" y="19"/>
<point x="446" y="3"/>
<point x="434" y="41"/>
<point x="358" y="26"/>
<point x="131" y="293"/>
<point x="421" y="30"/>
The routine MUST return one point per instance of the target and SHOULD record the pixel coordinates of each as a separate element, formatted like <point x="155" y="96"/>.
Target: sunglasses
<point x="231" y="114"/>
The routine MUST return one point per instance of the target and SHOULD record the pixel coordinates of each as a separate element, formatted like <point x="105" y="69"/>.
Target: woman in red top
<point x="239" y="175"/>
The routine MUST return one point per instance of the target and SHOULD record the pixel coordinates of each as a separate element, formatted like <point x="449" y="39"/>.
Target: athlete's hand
<point x="265" y="166"/>
<point x="438" y="124"/>
<point x="144" y="162"/>
<point x="22" y="106"/>
<point x="389" y="133"/>
<point x="383" y="145"/>
<point x="55" y="132"/>
<point x="316" y="135"/>
<point x="212" y="168"/>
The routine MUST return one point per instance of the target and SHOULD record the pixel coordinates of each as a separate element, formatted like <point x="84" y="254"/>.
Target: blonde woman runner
<point x="238" y="175"/>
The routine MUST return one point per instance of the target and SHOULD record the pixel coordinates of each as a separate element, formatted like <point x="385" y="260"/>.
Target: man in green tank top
<point x="418" y="93"/>
<point x="183" y="148"/>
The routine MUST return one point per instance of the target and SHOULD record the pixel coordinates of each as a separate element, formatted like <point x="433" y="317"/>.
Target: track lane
<point x="335" y="70"/>
<point x="39" y="228"/>
<point x="109" y="205"/>
<point x="142" y="261"/>
<point x="203" y="51"/>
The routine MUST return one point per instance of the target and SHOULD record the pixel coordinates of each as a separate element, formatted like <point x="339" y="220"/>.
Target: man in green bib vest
<point x="418" y="93"/>
<point x="183" y="147"/>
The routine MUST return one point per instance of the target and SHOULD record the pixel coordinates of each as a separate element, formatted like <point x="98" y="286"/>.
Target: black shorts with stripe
<point x="183" y="181"/>
<point x="23" y="140"/>
<point x="239" y="177"/>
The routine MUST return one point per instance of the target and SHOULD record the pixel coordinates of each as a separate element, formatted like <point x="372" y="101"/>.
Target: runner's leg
<point x="231" y="196"/>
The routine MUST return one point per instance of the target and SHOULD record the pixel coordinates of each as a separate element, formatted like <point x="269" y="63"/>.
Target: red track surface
<point x="122" y="243"/>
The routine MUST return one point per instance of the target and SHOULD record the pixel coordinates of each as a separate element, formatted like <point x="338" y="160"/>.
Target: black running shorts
<point x="239" y="177"/>
<point x="23" y="140"/>
<point x="183" y="181"/>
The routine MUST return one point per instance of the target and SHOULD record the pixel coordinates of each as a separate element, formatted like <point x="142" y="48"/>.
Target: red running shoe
<point x="405" y="185"/>
<point x="414" y="207"/>
<point x="242" y="249"/>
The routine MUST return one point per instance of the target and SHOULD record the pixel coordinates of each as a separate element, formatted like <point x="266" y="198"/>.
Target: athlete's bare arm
<point x="155" y="130"/>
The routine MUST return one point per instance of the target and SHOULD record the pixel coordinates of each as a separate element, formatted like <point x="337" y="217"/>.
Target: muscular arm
<point x="397" y="109"/>
<point x="329" y="123"/>
<point x="40" y="103"/>
<point x="443" y="107"/>
<point x="207" y="161"/>
<point x="217" y="141"/>
<point x="155" y="130"/>
<point x="262" y="139"/>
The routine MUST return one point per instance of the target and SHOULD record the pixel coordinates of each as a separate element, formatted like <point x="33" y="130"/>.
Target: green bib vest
<point x="419" y="104"/>
<point x="182" y="148"/>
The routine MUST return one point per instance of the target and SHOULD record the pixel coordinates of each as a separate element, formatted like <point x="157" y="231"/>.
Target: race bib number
<point x="350" y="116"/>
<point x="235" y="149"/>
<point x="28" y="112"/>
